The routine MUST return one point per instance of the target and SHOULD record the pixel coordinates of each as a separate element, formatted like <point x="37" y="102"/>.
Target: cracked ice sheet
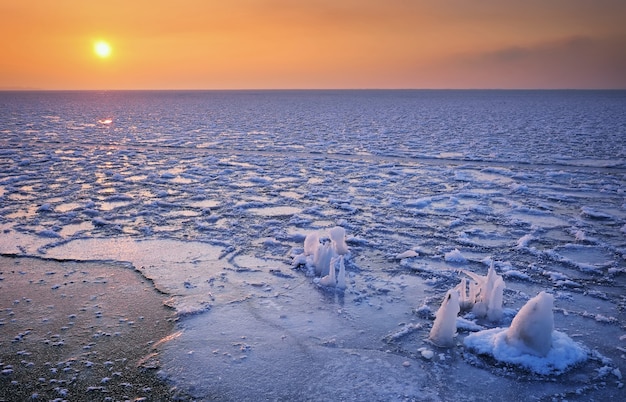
<point x="296" y="347"/>
<point x="211" y="180"/>
<point x="192" y="273"/>
<point x="285" y="336"/>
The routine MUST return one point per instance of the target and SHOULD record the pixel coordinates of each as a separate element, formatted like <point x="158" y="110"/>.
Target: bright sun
<point x="102" y="49"/>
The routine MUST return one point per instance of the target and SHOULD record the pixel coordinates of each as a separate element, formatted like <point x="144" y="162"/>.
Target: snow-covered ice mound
<point x="531" y="341"/>
<point x="563" y="355"/>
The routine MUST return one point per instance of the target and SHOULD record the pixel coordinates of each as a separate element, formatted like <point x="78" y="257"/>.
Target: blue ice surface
<point x="211" y="194"/>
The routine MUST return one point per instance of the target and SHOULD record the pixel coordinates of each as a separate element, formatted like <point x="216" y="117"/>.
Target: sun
<point x="102" y="49"/>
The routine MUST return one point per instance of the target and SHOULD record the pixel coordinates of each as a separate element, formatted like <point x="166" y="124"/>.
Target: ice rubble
<point x="485" y="294"/>
<point x="454" y="256"/>
<point x="407" y="254"/>
<point x="325" y="257"/>
<point x="531" y="341"/>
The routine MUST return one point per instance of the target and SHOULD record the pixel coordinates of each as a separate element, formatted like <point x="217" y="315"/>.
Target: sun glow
<point x="102" y="49"/>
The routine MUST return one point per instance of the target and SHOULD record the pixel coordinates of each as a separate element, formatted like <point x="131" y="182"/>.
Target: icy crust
<point x="215" y="203"/>
<point x="195" y="275"/>
<point x="291" y="349"/>
<point x="562" y="355"/>
<point x="268" y="122"/>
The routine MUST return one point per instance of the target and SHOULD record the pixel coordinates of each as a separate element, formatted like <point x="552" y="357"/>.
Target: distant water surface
<point x="571" y="127"/>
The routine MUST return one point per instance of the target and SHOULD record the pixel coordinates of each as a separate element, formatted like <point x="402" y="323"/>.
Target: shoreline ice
<point x="79" y="331"/>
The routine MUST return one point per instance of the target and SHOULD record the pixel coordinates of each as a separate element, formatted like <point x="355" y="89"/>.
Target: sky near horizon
<point x="291" y="44"/>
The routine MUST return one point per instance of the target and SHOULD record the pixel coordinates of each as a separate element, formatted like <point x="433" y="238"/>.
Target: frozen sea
<point x="211" y="194"/>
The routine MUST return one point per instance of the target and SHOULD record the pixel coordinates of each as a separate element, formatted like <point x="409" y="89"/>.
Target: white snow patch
<point x="407" y="254"/>
<point x="523" y="241"/>
<point x="531" y="341"/>
<point x="455" y="256"/>
<point x="563" y="354"/>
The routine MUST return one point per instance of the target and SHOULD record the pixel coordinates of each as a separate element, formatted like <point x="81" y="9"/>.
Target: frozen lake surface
<point x="211" y="195"/>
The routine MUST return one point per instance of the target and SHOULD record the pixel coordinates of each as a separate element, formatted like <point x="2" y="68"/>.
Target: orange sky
<point x="249" y="44"/>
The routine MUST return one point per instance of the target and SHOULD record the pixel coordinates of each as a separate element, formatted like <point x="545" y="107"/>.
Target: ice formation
<point x="444" y="327"/>
<point x="531" y="341"/>
<point x="311" y="243"/>
<point x="338" y="239"/>
<point x="187" y="195"/>
<point x="341" y="278"/>
<point x="531" y="329"/>
<point x="466" y="301"/>
<point x="455" y="256"/>
<point x="321" y="259"/>
<point x="407" y="254"/>
<point x="326" y="257"/>
<point x="484" y="295"/>
<point x="330" y="279"/>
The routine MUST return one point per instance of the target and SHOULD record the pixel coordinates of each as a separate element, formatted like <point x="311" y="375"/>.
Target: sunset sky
<point x="264" y="44"/>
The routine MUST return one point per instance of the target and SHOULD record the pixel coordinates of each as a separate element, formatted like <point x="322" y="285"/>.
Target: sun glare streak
<point x="102" y="49"/>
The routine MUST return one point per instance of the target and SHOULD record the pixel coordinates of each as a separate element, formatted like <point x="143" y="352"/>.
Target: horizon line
<point x="22" y="89"/>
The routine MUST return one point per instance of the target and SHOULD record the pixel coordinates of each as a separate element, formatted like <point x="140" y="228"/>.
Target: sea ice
<point x="485" y="295"/>
<point x="324" y="256"/>
<point x="338" y="238"/>
<point x="531" y="341"/>
<point x="208" y="209"/>
<point x="444" y="328"/>
<point x="455" y="256"/>
<point x="531" y="329"/>
<point x="407" y="254"/>
<point x="341" y="278"/>
<point x="330" y="280"/>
